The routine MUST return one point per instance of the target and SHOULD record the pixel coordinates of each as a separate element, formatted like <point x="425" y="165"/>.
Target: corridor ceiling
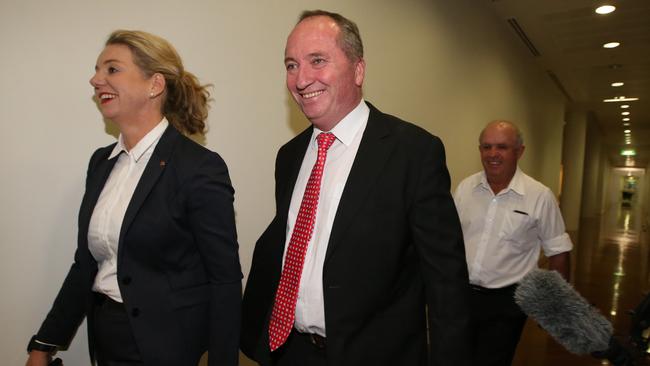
<point x="566" y="37"/>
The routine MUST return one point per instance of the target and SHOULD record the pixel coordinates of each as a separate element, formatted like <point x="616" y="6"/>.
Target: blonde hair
<point x="185" y="101"/>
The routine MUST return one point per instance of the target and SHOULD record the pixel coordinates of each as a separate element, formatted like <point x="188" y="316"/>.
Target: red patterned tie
<point x="284" y="308"/>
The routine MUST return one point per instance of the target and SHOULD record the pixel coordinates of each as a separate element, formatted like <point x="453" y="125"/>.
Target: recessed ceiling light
<point x="626" y="124"/>
<point x="620" y="99"/>
<point x="627" y="131"/>
<point x="605" y="9"/>
<point x="618" y="83"/>
<point x="626" y="113"/>
<point x="627" y="142"/>
<point x="626" y="119"/>
<point x="625" y="106"/>
<point x="611" y="45"/>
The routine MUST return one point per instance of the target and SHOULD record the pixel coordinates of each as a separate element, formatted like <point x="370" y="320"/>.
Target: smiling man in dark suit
<point x="366" y="237"/>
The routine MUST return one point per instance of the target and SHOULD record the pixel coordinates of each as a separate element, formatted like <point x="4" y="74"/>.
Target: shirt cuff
<point x="557" y="245"/>
<point x="46" y="344"/>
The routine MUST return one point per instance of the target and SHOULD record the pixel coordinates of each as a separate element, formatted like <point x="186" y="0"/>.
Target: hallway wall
<point x="594" y="166"/>
<point x="448" y="66"/>
<point x="573" y="158"/>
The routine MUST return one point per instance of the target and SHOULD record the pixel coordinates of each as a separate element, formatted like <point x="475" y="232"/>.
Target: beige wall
<point x="449" y="66"/>
<point x="573" y="157"/>
<point x="594" y="166"/>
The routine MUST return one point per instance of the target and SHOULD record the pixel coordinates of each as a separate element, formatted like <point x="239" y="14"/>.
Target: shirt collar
<point x="349" y="126"/>
<point x="516" y="183"/>
<point x="143" y="145"/>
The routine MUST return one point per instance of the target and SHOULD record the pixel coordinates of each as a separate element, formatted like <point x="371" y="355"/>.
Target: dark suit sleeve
<point x="212" y="219"/>
<point x="439" y="240"/>
<point x="69" y="308"/>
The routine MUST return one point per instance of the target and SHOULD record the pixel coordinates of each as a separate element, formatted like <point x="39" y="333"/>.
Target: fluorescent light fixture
<point x="620" y="99"/>
<point x="628" y="152"/>
<point x="618" y="83"/>
<point x="611" y="44"/>
<point x="605" y="9"/>
<point x="626" y="113"/>
<point x="625" y="106"/>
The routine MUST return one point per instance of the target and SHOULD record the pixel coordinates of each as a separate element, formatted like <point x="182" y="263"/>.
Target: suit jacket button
<point x="135" y="312"/>
<point x="126" y="280"/>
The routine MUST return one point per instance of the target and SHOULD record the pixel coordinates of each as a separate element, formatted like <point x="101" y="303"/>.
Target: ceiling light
<point x="620" y="99"/>
<point x="625" y="106"/>
<point x="626" y="124"/>
<point x="618" y="83"/>
<point x="611" y="44"/>
<point x="605" y="9"/>
<point x="626" y="119"/>
<point x="626" y="113"/>
<point x="627" y="131"/>
<point x="628" y="152"/>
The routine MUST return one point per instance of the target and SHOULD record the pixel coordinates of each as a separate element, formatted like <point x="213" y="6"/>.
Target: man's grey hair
<point x="519" y="137"/>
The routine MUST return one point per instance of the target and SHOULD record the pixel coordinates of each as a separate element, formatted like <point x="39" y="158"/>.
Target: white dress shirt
<point x="310" y="312"/>
<point x="106" y="220"/>
<point x="504" y="232"/>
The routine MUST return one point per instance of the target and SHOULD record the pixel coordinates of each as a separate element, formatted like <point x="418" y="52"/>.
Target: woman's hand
<point x="38" y="358"/>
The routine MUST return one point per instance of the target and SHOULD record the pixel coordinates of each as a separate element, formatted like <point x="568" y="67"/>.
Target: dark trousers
<point x="114" y="343"/>
<point x="497" y="323"/>
<point x="300" y="350"/>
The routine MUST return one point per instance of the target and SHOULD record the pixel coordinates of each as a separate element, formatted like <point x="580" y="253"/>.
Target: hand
<point x="38" y="358"/>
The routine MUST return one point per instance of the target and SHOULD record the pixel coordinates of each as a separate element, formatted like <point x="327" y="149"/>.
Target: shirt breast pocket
<point x="518" y="228"/>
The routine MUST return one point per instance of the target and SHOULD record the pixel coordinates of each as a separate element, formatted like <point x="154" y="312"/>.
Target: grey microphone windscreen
<point x="547" y="298"/>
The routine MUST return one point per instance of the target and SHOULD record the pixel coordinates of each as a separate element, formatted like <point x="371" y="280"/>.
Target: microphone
<point x="558" y="308"/>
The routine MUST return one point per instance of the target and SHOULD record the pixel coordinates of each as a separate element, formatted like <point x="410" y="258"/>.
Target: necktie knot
<point x="325" y="140"/>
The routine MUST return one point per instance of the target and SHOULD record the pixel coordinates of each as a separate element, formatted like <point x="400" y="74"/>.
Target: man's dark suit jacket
<point x="178" y="265"/>
<point x="396" y="245"/>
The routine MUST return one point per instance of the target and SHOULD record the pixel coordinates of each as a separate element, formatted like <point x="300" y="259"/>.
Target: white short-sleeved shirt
<point x="504" y="232"/>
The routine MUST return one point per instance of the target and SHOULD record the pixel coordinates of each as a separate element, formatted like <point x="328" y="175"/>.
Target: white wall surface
<point x="449" y="66"/>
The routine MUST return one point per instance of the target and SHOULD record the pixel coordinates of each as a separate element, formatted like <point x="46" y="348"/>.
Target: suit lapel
<point x="156" y="165"/>
<point x="294" y="156"/>
<point x="94" y="187"/>
<point x="375" y="147"/>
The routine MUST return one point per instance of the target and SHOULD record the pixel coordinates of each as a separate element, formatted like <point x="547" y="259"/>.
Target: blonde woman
<point x="156" y="271"/>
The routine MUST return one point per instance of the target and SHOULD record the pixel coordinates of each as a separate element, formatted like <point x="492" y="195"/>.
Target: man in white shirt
<point x="507" y="217"/>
